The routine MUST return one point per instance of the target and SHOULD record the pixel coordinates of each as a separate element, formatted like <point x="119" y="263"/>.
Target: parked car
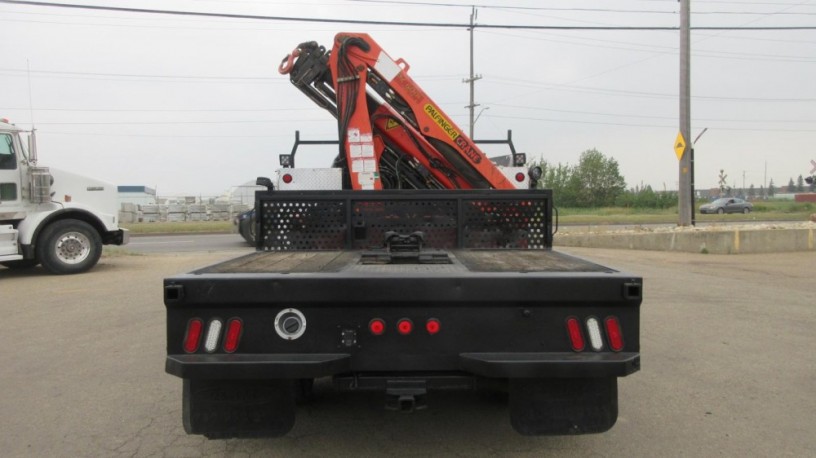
<point x="245" y="222"/>
<point x="727" y="205"/>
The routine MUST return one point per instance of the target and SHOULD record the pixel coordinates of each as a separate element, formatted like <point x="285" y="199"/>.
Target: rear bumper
<point x="496" y="365"/>
<point x="550" y="365"/>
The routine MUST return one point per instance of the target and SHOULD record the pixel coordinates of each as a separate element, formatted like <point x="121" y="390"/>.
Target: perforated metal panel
<point x="511" y="224"/>
<point x="303" y="224"/>
<point x="436" y="219"/>
<point x="314" y="220"/>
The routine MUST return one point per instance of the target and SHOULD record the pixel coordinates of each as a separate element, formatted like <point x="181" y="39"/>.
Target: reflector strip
<point x="213" y="334"/>
<point x="233" y="336"/>
<point x="594" y="331"/>
<point x="575" y="335"/>
<point x="613" y="331"/>
<point x="193" y="336"/>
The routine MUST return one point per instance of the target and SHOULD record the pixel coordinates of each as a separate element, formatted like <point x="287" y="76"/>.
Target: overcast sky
<point x="193" y="106"/>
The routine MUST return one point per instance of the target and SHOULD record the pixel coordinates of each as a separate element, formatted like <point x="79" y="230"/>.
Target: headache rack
<point x="397" y="219"/>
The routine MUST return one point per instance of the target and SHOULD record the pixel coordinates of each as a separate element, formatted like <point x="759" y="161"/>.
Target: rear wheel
<point x="69" y="246"/>
<point x="720" y="210"/>
<point x="746" y="210"/>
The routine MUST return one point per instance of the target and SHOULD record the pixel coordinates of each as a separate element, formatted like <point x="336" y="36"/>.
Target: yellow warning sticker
<point x="391" y="123"/>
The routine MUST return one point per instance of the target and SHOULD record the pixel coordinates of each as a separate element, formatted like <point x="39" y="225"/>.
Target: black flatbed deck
<point x="461" y="261"/>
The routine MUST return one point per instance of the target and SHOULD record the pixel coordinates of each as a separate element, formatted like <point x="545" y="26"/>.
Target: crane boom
<point x="391" y="134"/>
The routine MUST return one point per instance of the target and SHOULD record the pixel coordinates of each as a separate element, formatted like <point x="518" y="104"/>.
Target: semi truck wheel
<point x="69" y="246"/>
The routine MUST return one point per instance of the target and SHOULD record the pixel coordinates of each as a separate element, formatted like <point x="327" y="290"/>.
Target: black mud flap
<point x="563" y="406"/>
<point x="221" y="409"/>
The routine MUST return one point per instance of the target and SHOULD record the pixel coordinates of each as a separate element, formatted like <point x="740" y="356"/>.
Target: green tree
<point x="791" y="186"/>
<point x="751" y="191"/>
<point x="559" y="179"/>
<point x="646" y="197"/>
<point x="800" y="184"/>
<point x="771" y="188"/>
<point x="597" y="180"/>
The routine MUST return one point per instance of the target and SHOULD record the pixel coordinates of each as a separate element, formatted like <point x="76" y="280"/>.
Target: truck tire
<point x="563" y="406"/>
<point x="69" y="246"/>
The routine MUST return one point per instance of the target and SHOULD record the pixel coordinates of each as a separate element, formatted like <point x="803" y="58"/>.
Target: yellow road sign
<point x="679" y="146"/>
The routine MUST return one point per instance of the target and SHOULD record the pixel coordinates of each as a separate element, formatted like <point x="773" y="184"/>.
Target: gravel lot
<point x="728" y="370"/>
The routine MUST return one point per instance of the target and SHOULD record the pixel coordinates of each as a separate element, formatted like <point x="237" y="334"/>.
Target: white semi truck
<point x="51" y="217"/>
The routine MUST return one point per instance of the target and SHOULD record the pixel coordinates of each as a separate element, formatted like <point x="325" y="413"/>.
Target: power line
<point x="649" y="48"/>
<point x="623" y="115"/>
<point x="141" y="75"/>
<point x="393" y="23"/>
<point x="568" y="9"/>
<point x="491" y="79"/>
<point x="593" y="90"/>
<point x="171" y="78"/>
<point x="161" y="123"/>
<point x="162" y="110"/>
<point x="657" y="126"/>
<point x="290" y="109"/>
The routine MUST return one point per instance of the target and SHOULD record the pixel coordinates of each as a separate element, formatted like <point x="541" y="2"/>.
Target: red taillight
<point x="405" y="326"/>
<point x="193" y="336"/>
<point x="432" y="326"/>
<point x="575" y="335"/>
<point x="376" y="326"/>
<point x="613" y="332"/>
<point x="287" y="178"/>
<point x="233" y="337"/>
<point x="519" y="177"/>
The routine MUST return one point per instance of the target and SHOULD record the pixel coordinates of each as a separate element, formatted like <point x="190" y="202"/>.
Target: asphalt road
<point x="728" y="369"/>
<point x="187" y="243"/>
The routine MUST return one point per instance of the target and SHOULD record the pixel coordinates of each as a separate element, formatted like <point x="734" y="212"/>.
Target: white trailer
<point x="48" y="216"/>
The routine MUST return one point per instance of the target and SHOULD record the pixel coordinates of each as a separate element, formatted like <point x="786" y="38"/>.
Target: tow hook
<point x="405" y="395"/>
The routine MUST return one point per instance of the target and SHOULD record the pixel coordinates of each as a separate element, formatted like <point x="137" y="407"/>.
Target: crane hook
<point x="288" y="62"/>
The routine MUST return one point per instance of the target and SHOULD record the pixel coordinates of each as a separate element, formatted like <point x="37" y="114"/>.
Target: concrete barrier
<point x="718" y="241"/>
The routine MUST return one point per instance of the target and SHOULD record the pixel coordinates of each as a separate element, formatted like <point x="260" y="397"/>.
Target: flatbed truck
<point x="409" y="294"/>
<point x="413" y="266"/>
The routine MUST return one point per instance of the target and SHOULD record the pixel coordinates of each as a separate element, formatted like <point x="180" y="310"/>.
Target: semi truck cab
<point x="48" y="216"/>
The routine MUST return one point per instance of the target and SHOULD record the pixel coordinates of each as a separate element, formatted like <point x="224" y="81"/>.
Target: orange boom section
<point x="392" y="135"/>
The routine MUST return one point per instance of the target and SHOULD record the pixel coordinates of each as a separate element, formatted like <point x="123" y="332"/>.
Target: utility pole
<point x="685" y="191"/>
<point x="473" y="77"/>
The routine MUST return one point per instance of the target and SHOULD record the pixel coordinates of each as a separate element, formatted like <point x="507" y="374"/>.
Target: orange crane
<point x="391" y="134"/>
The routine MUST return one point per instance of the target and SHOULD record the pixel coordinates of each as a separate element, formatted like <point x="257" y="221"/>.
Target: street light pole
<point x="693" y="212"/>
